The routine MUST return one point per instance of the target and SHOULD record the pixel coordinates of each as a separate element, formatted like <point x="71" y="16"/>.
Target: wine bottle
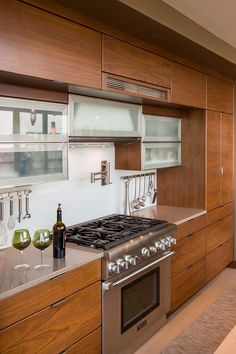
<point x="59" y="235"/>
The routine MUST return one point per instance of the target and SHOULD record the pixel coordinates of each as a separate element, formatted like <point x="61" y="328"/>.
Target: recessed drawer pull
<point x="59" y="303"/>
<point x="58" y="276"/>
<point x="64" y="352"/>
<point x="190" y="266"/>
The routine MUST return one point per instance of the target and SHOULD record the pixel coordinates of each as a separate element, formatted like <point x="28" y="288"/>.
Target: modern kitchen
<point x="117" y="177"/>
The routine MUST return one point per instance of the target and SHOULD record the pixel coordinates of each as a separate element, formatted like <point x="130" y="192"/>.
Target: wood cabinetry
<point x="201" y="255"/>
<point x="219" y="153"/>
<point x="219" y="95"/>
<point x="126" y="60"/>
<point x="54" y="315"/>
<point x="188" y="86"/>
<point x="39" y="44"/>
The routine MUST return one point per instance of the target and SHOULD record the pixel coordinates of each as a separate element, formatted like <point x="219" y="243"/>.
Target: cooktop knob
<point x="132" y="260"/>
<point x="145" y="252"/>
<point x="152" y="249"/>
<point x="166" y="242"/>
<point x="160" y="246"/>
<point x="171" y="239"/>
<point x="122" y="263"/>
<point x="113" y="268"/>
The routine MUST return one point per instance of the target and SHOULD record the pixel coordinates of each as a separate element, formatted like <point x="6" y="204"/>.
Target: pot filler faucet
<point x="103" y="175"/>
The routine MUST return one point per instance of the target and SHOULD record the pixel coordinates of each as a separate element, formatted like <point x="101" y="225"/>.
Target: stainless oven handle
<point x="108" y="285"/>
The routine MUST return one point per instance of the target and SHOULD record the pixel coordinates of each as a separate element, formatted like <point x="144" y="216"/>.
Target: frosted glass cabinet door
<point x="158" y="128"/>
<point x="159" y="155"/>
<point x="103" y="118"/>
<point x="29" y="163"/>
<point x="26" y="120"/>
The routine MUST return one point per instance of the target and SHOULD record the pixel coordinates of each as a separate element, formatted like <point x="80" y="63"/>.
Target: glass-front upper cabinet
<point x="33" y="142"/>
<point x="160" y="128"/>
<point x="95" y="117"/>
<point x="161" y="143"/>
<point x="26" y="120"/>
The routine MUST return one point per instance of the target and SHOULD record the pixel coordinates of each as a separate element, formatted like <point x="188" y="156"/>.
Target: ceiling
<point x="217" y="16"/>
<point x="179" y="29"/>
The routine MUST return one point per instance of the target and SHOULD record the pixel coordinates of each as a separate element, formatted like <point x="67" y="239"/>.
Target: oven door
<point x="135" y="306"/>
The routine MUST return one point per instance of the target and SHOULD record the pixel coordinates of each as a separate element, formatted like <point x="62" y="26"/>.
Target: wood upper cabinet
<point x="39" y="44"/>
<point x="219" y="95"/>
<point x="126" y="60"/>
<point x="219" y="159"/>
<point x="188" y="86"/>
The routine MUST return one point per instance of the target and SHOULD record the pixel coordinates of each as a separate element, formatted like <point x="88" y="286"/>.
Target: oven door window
<point x="139" y="298"/>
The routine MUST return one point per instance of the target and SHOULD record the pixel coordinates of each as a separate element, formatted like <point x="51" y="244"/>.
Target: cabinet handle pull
<point x="63" y="352"/>
<point x="221" y="170"/>
<point x="58" y="303"/>
<point x="58" y="276"/>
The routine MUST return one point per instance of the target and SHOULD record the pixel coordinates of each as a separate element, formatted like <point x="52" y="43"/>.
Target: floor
<point x="189" y="312"/>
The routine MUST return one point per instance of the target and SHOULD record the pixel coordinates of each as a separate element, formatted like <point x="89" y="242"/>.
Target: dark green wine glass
<point x="42" y="239"/>
<point x="21" y="239"/>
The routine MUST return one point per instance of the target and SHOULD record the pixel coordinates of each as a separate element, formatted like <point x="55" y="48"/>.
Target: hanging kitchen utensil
<point x="127" y="203"/>
<point x="27" y="213"/>
<point x="134" y="203"/>
<point x="3" y="230"/>
<point x="149" y="183"/>
<point x="19" y="207"/>
<point x="144" y="189"/>
<point x="140" y="201"/>
<point x="11" y="220"/>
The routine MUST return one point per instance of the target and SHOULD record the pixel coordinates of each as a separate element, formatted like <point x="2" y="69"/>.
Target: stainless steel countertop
<point x="175" y="215"/>
<point x="13" y="281"/>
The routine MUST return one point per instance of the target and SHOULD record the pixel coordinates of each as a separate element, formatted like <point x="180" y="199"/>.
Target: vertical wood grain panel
<point x="213" y="159"/>
<point x="219" y="95"/>
<point x="226" y="192"/>
<point x="184" y="186"/>
<point x="188" y="86"/>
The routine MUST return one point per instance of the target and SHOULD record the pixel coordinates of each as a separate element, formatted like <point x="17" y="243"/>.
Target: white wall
<point x="81" y="200"/>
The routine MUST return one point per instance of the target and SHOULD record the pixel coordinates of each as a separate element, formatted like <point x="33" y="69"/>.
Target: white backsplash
<point x="81" y="200"/>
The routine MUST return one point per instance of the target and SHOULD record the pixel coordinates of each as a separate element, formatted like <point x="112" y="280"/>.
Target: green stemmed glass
<point x="42" y="239"/>
<point x="21" y="239"/>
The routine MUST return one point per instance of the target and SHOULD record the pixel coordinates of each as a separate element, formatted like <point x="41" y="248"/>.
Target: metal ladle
<point x="140" y="201"/>
<point x="11" y="220"/>
<point x="135" y="202"/>
<point x="3" y="230"/>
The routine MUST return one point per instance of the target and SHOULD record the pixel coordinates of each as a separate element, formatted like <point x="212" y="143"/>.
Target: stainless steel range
<point x="135" y="274"/>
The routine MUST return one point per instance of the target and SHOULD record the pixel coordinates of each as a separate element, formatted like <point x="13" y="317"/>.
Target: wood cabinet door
<point x="226" y="192"/>
<point x="56" y="327"/>
<point x="218" y="259"/>
<point x="219" y="95"/>
<point x="218" y="233"/>
<point x="187" y="282"/>
<point x="126" y="60"/>
<point x="39" y="44"/>
<point x="213" y="159"/>
<point x="188" y="86"/>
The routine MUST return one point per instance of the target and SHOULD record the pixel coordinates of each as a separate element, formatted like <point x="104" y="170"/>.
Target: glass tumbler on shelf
<point x="21" y="239"/>
<point x="42" y="239"/>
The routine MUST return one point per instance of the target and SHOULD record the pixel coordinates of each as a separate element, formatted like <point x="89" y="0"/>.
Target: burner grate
<point x="111" y="231"/>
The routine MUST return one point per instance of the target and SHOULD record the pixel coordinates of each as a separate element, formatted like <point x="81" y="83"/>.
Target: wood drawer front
<point x="218" y="213"/>
<point x="188" y="86"/>
<point x="27" y="302"/>
<point x="218" y="259"/>
<point x="219" y="95"/>
<point x="126" y="60"/>
<point x="186" y="283"/>
<point x="190" y="227"/>
<point x="218" y="233"/>
<point x="56" y="327"/>
<point x="40" y="44"/>
<point x="91" y="344"/>
<point x="188" y="251"/>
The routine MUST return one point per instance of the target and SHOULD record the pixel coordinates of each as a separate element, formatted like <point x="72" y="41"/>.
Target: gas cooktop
<point x="110" y="231"/>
